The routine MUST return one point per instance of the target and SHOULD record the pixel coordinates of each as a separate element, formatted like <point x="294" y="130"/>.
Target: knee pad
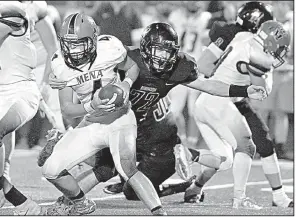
<point x="104" y="173"/>
<point x="52" y="169"/>
<point x="226" y="163"/>
<point x="129" y="168"/>
<point x="264" y="145"/>
<point x="248" y="147"/>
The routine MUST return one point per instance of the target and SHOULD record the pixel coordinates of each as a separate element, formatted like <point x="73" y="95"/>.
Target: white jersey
<point x="17" y="59"/>
<point x="110" y="52"/>
<point x="239" y="50"/>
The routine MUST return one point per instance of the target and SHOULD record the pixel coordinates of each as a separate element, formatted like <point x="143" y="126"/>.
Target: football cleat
<point x="183" y="161"/>
<point x="52" y="137"/>
<point x="245" y="203"/>
<point x="83" y="206"/>
<point x="197" y="198"/>
<point x="169" y="189"/>
<point x="114" y="188"/>
<point x="29" y="207"/>
<point x="284" y="204"/>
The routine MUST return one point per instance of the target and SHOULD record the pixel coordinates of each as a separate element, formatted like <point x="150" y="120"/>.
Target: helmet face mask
<point x="78" y="40"/>
<point x="77" y="51"/>
<point x="159" y="49"/>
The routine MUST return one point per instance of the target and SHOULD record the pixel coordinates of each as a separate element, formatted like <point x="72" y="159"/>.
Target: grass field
<point x="26" y="176"/>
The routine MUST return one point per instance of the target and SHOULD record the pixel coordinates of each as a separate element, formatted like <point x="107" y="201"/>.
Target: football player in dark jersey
<point x="249" y="18"/>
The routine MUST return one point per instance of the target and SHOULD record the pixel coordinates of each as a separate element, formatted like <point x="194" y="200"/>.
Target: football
<point x="112" y="92"/>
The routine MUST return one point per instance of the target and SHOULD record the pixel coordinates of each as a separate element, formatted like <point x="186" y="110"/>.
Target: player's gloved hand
<point x="101" y="105"/>
<point x="257" y="92"/>
<point x="56" y="83"/>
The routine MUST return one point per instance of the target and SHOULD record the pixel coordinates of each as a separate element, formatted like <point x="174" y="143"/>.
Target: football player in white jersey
<point x="86" y="62"/>
<point x="19" y="94"/>
<point x="246" y="60"/>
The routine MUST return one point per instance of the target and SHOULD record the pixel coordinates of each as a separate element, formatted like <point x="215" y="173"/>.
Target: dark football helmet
<point x="78" y="39"/>
<point x="251" y="15"/>
<point x="275" y="40"/>
<point x="159" y="48"/>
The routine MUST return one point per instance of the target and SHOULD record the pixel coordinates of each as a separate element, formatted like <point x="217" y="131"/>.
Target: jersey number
<point x="162" y="110"/>
<point x="223" y="57"/>
<point x="148" y="97"/>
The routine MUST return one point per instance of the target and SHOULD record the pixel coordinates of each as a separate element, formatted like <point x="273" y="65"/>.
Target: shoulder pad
<point x="186" y="70"/>
<point x="221" y="34"/>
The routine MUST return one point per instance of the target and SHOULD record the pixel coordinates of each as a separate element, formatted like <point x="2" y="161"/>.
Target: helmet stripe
<point x="71" y="24"/>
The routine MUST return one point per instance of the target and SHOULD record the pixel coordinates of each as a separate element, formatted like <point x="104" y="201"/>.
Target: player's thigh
<point x="76" y="146"/>
<point x="214" y="112"/>
<point x="15" y="116"/>
<point x="122" y="144"/>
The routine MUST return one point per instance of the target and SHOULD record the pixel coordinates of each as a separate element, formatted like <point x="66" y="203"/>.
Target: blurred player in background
<point x="221" y="37"/>
<point x="19" y="92"/>
<point x="45" y="40"/>
<point x="190" y="22"/>
<point x="280" y="101"/>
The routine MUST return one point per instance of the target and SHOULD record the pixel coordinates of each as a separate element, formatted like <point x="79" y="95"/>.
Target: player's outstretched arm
<point x="219" y="88"/>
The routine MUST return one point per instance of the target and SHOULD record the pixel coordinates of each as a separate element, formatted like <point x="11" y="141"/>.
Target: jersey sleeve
<point x="58" y="67"/>
<point x="221" y="34"/>
<point x="186" y="71"/>
<point x="110" y="50"/>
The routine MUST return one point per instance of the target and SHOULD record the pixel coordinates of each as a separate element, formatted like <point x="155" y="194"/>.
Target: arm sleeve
<point x="220" y="35"/>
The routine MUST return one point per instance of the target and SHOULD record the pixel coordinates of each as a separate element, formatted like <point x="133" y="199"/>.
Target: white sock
<point x="241" y="169"/>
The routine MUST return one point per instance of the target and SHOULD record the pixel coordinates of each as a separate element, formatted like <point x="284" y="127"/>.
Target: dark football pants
<point x="260" y="132"/>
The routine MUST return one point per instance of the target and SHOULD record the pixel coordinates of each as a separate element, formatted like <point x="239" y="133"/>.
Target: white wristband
<point x="88" y="108"/>
<point x="129" y="81"/>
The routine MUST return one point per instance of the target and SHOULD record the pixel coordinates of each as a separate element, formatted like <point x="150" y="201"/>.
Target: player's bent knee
<point x="103" y="173"/>
<point x="248" y="147"/>
<point x="226" y="163"/>
<point x="129" y="168"/>
<point x="52" y="169"/>
<point x="265" y="147"/>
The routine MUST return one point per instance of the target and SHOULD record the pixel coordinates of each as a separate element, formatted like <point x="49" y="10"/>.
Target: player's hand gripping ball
<point x="113" y="93"/>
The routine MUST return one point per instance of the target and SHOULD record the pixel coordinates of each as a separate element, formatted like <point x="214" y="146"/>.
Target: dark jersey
<point x="148" y="89"/>
<point x="156" y="134"/>
<point x="221" y="33"/>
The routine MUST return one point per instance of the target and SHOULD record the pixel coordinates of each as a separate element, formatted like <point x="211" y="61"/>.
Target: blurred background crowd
<point x="192" y="20"/>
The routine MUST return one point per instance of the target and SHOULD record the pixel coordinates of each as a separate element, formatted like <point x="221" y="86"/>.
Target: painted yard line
<point x="206" y="188"/>
<point x="95" y="199"/>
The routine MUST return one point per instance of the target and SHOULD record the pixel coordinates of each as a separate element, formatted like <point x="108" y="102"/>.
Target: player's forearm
<point x="131" y="75"/>
<point x="219" y="88"/>
<point x="71" y="110"/>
